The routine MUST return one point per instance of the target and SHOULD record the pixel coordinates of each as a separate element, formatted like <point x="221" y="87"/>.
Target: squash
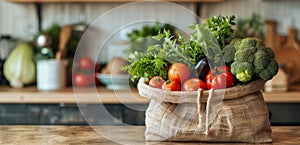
<point x="19" y="68"/>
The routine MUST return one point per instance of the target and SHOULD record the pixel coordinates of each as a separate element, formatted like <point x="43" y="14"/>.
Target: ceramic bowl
<point x="114" y="82"/>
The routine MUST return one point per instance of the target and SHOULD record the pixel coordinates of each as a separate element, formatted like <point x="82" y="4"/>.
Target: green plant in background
<point x="250" y="27"/>
<point x="141" y="39"/>
<point x="54" y="31"/>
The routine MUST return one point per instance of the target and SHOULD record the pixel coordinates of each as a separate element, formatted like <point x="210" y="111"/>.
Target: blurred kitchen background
<point x="22" y="20"/>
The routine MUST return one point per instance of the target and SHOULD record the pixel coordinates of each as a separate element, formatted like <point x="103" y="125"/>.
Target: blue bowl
<point x="114" y="82"/>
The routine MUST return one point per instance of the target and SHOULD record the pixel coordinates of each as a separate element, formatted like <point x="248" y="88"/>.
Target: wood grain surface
<point x="70" y="96"/>
<point x="31" y="135"/>
<point x="33" y="95"/>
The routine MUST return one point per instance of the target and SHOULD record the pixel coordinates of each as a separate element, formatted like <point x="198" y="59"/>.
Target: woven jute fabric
<point x="236" y="114"/>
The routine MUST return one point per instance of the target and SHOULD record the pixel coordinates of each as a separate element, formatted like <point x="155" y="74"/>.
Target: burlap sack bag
<point x="236" y="114"/>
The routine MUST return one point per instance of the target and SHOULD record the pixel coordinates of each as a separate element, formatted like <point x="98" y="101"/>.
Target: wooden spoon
<point x="64" y="37"/>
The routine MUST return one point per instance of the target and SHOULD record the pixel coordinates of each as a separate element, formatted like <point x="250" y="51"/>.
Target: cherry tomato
<point x="171" y="85"/>
<point x="97" y="82"/>
<point x="193" y="84"/>
<point x="83" y="80"/>
<point x="178" y="72"/>
<point x="220" y="78"/>
<point x="156" y="82"/>
<point x="97" y="68"/>
<point x="86" y="63"/>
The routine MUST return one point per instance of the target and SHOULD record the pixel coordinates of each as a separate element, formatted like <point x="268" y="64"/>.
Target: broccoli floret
<point x="243" y="71"/>
<point x="245" y="54"/>
<point x="270" y="71"/>
<point x="273" y="67"/>
<point x="229" y="52"/>
<point x="233" y="67"/>
<point x="261" y="60"/>
<point x="246" y="43"/>
<point x="268" y="50"/>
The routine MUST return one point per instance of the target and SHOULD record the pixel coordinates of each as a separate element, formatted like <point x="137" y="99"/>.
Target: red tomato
<point x="171" y="85"/>
<point x="220" y="78"/>
<point x="178" y="72"/>
<point x="86" y="63"/>
<point x="193" y="84"/>
<point x="83" y="80"/>
<point x="156" y="82"/>
<point x="97" y="68"/>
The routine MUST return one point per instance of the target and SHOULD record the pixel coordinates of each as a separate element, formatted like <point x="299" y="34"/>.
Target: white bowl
<point x="114" y="82"/>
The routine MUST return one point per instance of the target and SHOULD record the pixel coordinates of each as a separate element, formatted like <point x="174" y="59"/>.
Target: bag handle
<point x="204" y="110"/>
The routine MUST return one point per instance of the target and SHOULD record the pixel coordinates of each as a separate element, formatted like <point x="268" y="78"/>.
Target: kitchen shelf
<point x="87" y="95"/>
<point x="62" y="1"/>
<point x="282" y="97"/>
<point x="33" y="95"/>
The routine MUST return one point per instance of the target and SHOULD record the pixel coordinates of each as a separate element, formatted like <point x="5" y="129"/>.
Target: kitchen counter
<point x="121" y="134"/>
<point x="67" y="96"/>
<point x="33" y="95"/>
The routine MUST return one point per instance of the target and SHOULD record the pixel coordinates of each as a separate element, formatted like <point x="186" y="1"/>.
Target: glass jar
<point x="7" y="43"/>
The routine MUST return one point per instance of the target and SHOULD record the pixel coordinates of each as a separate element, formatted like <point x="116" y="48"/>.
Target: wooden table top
<point x="32" y="135"/>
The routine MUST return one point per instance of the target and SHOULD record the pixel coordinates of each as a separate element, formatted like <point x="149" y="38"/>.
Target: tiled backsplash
<point x="285" y="12"/>
<point x="20" y="20"/>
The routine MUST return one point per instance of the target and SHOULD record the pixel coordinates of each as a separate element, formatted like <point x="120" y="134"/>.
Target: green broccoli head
<point x="270" y="71"/>
<point x="229" y="52"/>
<point x="246" y="48"/>
<point x="261" y="60"/>
<point x="268" y="50"/>
<point x="243" y="71"/>
<point x="245" y="54"/>
<point x="251" y="58"/>
<point x="246" y="43"/>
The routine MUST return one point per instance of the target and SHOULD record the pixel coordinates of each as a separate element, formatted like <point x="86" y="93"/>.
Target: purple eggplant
<point x="202" y="68"/>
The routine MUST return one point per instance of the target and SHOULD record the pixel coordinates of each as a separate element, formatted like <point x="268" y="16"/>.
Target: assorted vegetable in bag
<point x="211" y="47"/>
<point x="234" y="71"/>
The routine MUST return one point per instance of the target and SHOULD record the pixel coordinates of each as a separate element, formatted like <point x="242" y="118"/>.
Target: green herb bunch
<point x="207" y="41"/>
<point x="250" y="27"/>
<point x="141" y="39"/>
<point x="155" y="61"/>
<point x="221" y="27"/>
